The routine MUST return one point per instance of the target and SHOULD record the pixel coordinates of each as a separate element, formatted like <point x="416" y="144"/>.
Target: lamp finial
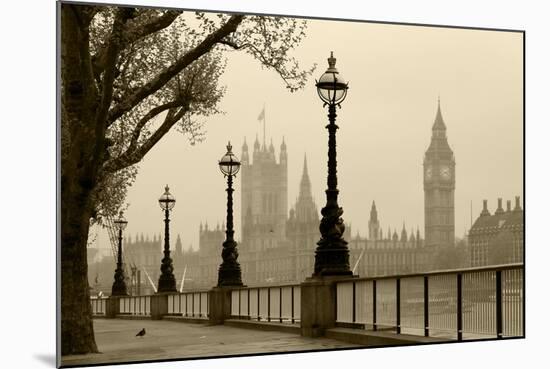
<point x="331" y="60"/>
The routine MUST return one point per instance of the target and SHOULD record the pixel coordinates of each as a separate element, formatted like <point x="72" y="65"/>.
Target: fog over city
<point x="396" y="75"/>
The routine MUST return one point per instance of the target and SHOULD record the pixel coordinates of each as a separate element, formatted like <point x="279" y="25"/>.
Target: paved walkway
<point x="168" y="340"/>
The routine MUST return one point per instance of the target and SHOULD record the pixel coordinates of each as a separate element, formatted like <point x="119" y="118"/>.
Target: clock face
<point x="445" y="172"/>
<point x="429" y="173"/>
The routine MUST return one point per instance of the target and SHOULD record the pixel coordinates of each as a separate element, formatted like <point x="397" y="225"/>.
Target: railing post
<point x="159" y="306"/>
<point x="374" y="304"/>
<point x="459" y="306"/>
<point x="318" y="305"/>
<point x="268" y="304"/>
<point x="258" y="295"/>
<point x="200" y="304"/>
<point x="248" y="304"/>
<point x="219" y="304"/>
<point x="398" y="304"/>
<point x="353" y="318"/>
<point x="239" y="303"/>
<point x="280" y="304"/>
<point x="292" y="304"/>
<point x="112" y="307"/>
<point x="498" y="302"/>
<point x="426" y="310"/>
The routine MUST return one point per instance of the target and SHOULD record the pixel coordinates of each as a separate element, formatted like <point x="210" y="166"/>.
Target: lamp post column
<point x="119" y="285"/>
<point x="167" y="281"/>
<point x="229" y="273"/>
<point x="332" y="254"/>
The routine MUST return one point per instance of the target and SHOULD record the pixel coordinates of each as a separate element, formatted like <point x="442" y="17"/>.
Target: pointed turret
<point x="244" y="155"/>
<point x="283" y="153"/>
<point x="305" y="184"/>
<point x="374" y="225"/>
<point x="373" y="212"/>
<point x="404" y="234"/>
<point x="179" y="246"/>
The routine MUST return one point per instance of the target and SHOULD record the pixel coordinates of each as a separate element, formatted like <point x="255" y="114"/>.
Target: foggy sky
<point x="395" y="75"/>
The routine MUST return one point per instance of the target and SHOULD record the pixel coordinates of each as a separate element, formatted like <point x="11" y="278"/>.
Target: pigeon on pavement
<point x="141" y="333"/>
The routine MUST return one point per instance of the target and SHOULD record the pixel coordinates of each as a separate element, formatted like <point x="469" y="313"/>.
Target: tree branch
<point x="130" y="158"/>
<point x="146" y="118"/>
<point x="113" y="47"/>
<point x="135" y="33"/>
<point x="165" y="75"/>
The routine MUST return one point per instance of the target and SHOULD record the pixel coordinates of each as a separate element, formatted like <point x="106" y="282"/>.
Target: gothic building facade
<point x="497" y="238"/>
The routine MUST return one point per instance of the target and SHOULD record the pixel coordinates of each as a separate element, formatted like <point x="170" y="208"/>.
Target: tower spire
<point x="305" y="184"/>
<point x="439" y="124"/>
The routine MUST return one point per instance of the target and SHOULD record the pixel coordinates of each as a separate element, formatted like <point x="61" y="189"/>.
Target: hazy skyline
<point x="396" y="74"/>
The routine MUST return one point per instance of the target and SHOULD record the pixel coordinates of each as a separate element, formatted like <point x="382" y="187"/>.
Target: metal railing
<point x="189" y="304"/>
<point x="460" y="304"/>
<point x="135" y="305"/>
<point x="272" y="304"/>
<point x="99" y="305"/>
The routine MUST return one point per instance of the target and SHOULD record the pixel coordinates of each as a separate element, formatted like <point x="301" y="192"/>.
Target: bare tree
<point x="128" y="76"/>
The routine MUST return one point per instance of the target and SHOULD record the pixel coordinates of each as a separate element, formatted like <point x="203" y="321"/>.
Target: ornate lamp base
<point x="119" y="286"/>
<point x="167" y="281"/>
<point x="229" y="273"/>
<point x="332" y="259"/>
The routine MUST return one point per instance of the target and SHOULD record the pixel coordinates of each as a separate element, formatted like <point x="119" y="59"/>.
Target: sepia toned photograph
<point x="242" y="184"/>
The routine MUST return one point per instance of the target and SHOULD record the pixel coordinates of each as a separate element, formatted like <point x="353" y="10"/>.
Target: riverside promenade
<point x="117" y="341"/>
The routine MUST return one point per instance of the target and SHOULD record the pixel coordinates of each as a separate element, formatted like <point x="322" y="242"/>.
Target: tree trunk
<point x="81" y="155"/>
<point x="77" y="333"/>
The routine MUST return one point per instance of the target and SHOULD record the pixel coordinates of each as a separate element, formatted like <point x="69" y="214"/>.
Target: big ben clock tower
<point x="439" y="187"/>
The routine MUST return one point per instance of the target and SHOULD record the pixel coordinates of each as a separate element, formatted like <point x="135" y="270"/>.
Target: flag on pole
<point x="262" y="114"/>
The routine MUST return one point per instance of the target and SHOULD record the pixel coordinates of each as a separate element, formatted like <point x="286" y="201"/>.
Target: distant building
<point x="439" y="188"/>
<point x="384" y="255"/>
<point x="497" y="238"/>
<point x="145" y="254"/>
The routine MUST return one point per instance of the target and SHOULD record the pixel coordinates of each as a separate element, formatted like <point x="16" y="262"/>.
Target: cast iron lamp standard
<point x="167" y="282"/>
<point x="229" y="273"/>
<point x="119" y="285"/>
<point x="332" y="254"/>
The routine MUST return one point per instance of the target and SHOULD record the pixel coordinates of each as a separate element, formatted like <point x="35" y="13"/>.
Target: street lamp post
<point x="229" y="273"/>
<point x="167" y="281"/>
<point x="119" y="285"/>
<point x="332" y="253"/>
